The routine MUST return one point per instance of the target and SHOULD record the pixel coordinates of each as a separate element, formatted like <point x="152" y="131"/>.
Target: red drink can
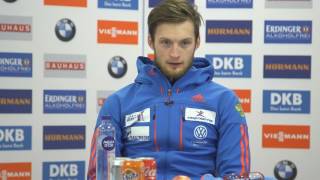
<point x="150" y="168"/>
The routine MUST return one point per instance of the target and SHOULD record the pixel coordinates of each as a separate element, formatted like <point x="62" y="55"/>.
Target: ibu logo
<point x="64" y="170"/>
<point x="286" y="101"/>
<point x="15" y="138"/>
<point x="231" y="65"/>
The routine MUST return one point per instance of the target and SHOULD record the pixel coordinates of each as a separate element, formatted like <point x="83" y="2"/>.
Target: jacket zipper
<point x="168" y="102"/>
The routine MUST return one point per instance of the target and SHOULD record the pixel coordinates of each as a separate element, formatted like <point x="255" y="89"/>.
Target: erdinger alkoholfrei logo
<point x="117" y="67"/>
<point x="229" y="4"/>
<point x="285" y="170"/>
<point x="15" y="64"/>
<point x="288" y="32"/>
<point x="65" y="29"/>
<point x="116" y="4"/>
<point x="63" y="170"/>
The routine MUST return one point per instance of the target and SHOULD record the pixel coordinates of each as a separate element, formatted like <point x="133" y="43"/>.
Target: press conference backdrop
<point x="60" y="59"/>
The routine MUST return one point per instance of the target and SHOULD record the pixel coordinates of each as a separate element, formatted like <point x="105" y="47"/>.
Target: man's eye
<point x="165" y="43"/>
<point x="185" y="43"/>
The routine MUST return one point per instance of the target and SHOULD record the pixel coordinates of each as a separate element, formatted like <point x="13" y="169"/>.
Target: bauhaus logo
<point x="65" y="65"/>
<point x="287" y="67"/>
<point x="244" y="98"/>
<point x="64" y="101"/>
<point x="229" y="4"/>
<point x="286" y="136"/>
<point x="64" y="137"/>
<point x="20" y="170"/>
<point x="288" y="4"/>
<point x="288" y="32"/>
<point x="15" y="28"/>
<point x="64" y="170"/>
<point x="117" y="32"/>
<point x="15" y="138"/>
<point x="229" y="31"/>
<point x="118" y="4"/>
<point x="280" y="101"/>
<point x="75" y="3"/>
<point x="15" y="101"/>
<point x="230" y="66"/>
<point x="15" y="64"/>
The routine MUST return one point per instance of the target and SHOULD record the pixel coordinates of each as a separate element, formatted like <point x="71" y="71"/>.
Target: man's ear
<point x="198" y="42"/>
<point x="150" y="42"/>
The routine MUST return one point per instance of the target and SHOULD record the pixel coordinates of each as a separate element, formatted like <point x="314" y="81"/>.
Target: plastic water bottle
<point x="105" y="148"/>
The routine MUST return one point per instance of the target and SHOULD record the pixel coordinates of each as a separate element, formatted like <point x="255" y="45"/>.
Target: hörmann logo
<point x="15" y="28"/>
<point x="288" y="4"/>
<point x="287" y="67"/>
<point x="280" y="101"/>
<point x="64" y="170"/>
<point x="244" y="98"/>
<point x="286" y="136"/>
<point x="15" y="101"/>
<point x="229" y="31"/>
<point x="118" y="32"/>
<point x="118" y="4"/>
<point x="15" y="64"/>
<point x="64" y="137"/>
<point x="15" y="138"/>
<point x="64" y="65"/>
<point x="21" y="170"/>
<point x="231" y="65"/>
<point x="229" y="4"/>
<point x="74" y="3"/>
<point x="288" y="32"/>
<point x="64" y="101"/>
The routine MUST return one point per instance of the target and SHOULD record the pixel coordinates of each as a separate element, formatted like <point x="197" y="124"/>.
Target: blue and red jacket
<point x="192" y="127"/>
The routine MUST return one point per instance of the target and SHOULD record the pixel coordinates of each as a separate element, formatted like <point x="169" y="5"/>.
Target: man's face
<point x="174" y="46"/>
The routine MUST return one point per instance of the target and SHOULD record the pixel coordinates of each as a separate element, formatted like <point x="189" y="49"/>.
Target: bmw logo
<point x="285" y="170"/>
<point x="10" y="1"/>
<point x="65" y="29"/>
<point x="117" y="67"/>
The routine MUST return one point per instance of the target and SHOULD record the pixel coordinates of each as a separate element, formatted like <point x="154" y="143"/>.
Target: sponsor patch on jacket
<point x="140" y="116"/>
<point x="238" y="107"/>
<point x="138" y="133"/>
<point x="200" y="115"/>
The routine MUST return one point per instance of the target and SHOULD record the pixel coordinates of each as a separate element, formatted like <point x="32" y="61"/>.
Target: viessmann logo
<point x="228" y="31"/>
<point x="75" y="3"/>
<point x="229" y="4"/>
<point x="64" y="170"/>
<point x="15" y="64"/>
<point x="244" y="98"/>
<point x="286" y="136"/>
<point x="64" y="65"/>
<point x="280" y="101"/>
<point x="15" y="28"/>
<point x="64" y="137"/>
<point x="15" y="101"/>
<point x="118" y="32"/>
<point x="64" y="101"/>
<point x="287" y="67"/>
<point x="288" y="32"/>
<point x="230" y="66"/>
<point x="21" y="170"/>
<point x="15" y="138"/>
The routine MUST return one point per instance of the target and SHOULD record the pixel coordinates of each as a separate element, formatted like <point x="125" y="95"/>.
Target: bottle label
<point x="108" y="143"/>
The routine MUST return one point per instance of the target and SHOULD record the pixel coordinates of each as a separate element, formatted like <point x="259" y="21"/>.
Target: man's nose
<point x="175" y="51"/>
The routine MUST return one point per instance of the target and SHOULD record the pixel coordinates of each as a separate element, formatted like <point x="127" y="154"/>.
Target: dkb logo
<point x="63" y="170"/>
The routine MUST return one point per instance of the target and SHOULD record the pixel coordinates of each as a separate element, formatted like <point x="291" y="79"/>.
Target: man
<point x="173" y="111"/>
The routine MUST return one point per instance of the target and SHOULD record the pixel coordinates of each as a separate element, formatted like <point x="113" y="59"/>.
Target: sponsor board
<point x="288" y="3"/>
<point x="64" y="65"/>
<point x="119" y="4"/>
<point x="287" y="67"/>
<point x="117" y="32"/>
<point x="15" y="28"/>
<point x="15" y="101"/>
<point x="286" y="136"/>
<point x="229" y="4"/>
<point x="64" y="101"/>
<point x="64" y="137"/>
<point x="74" y="3"/>
<point x="64" y="170"/>
<point x="17" y="170"/>
<point x="299" y="32"/>
<point x="15" y="64"/>
<point x="153" y="3"/>
<point x="228" y="31"/>
<point x="244" y="98"/>
<point x="15" y="138"/>
<point x="231" y="66"/>
<point x="286" y="101"/>
<point x="101" y="97"/>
